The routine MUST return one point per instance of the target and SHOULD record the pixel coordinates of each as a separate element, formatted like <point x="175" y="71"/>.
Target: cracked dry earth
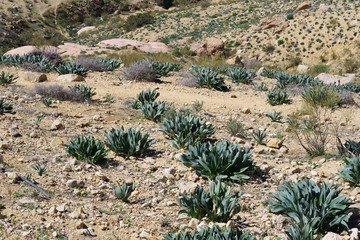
<point x="82" y="203"/>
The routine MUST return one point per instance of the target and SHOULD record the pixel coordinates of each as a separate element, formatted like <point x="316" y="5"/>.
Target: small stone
<point x="294" y="170"/>
<point x="57" y="125"/>
<point x="314" y="173"/>
<point x="77" y="213"/>
<point x="80" y="225"/>
<point x="231" y="223"/>
<point x="355" y="192"/>
<point x="13" y="177"/>
<point x="75" y="183"/>
<point x="233" y="96"/>
<point x="54" y="234"/>
<point x="67" y="168"/>
<point x="96" y="117"/>
<point x="35" y="77"/>
<point x="194" y="223"/>
<point x="61" y="208"/>
<point x="246" y="110"/>
<point x="52" y="211"/>
<point x="56" y="141"/>
<point x="14" y="133"/>
<point x="275" y="143"/>
<point x="354" y="234"/>
<point x="144" y="234"/>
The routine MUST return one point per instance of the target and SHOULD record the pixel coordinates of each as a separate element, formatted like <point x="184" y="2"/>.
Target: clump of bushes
<point x="206" y="77"/>
<point x="322" y="95"/>
<point x="217" y="205"/>
<point x="212" y="233"/>
<point x="221" y="160"/>
<point x="85" y="92"/>
<point x="277" y="97"/>
<point x="311" y="208"/>
<point x="128" y="142"/>
<point x="185" y="130"/>
<point x="87" y="149"/>
<point x="138" y="20"/>
<point x="57" y="92"/>
<point x="140" y="71"/>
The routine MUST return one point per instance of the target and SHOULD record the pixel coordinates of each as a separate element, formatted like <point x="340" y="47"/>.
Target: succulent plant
<point x="208" y="78"/>
<point x="123" y="192"/>
<point x="221" y="160"/>
<point x="6" y="79"/>
<point x="128" y="142"/>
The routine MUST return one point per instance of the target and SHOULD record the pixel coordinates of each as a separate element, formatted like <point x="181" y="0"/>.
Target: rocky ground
<point x="82" y="203"/>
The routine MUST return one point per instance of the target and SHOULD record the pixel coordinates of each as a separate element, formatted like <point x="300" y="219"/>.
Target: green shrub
<point x="154" y="110"/>
<point x="322" y="95"/>
<point x="70" y="67"/>
<point x="38" y="168"/>
<point x="213" y="233"/>
<point x="147" y="96"/>
<point x="208" y="78"/>
<point x="351" y="148"/>
<point x="260" y="86"/>
<point x="86" y="92"/>
<point x="241" y="75"/>
<point x="274" y="116"/>
<point x="6" y="79"/>
<point x="223" y="159"/>
<point x="138" y="20"/>
<point x="5" y="108"/>
<point x="162" y="69"/>
<point x="128" y="143"/>
<point x="87" y="149"/>
<point x="289" y="17"/>
<point x="218" y="205"/>
<point x="351" y="170"/>
<point x="185" y="130"/>
<point x="308" y="205"/>
<point x="123" y="192"/>
<point x="47" y="101"/>
<point x="277" y="97"/>
<point x="317" y="69"/>
<point x="258" y="136"/>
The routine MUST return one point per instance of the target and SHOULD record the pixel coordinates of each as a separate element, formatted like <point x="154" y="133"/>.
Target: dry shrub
<point x="140" y="71"/>
<point x="91" y="64"/>
<point x="31" y="67"/>
<point x="187" y="79"/>
<point x="57" y="92"/>
<point x="53" y="56"/>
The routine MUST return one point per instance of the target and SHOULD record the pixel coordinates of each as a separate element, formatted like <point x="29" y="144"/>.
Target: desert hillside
<point x="179" y="119"/>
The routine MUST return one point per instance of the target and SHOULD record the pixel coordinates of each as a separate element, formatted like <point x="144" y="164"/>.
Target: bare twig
<point x="28" y="181"/>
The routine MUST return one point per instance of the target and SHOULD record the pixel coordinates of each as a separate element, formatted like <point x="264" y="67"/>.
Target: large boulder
<point x="303" y="6"/>
<point x="198" y="48"/>
<point x="333" y="79"/>
<point x="272" y="21"/>
<point x="150" y="47"/>
<point x="302" y="69"/>
<point x="85" y="29"/>
<point x="35" y="77"/>
<point x="214" y="46"/>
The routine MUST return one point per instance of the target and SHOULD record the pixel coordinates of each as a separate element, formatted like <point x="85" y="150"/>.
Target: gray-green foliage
<point x="186" y="129"/>
<point x="38" y="168"/>
<point x="87" y="149"/>
<point x="128" y="142"/>
<point x="154" y="110"/>
<point x="221" y="160"/>
<point x="146" y="104"/>
<point x="206" y="77"/>
<point x="217" y="205"/>
<point x="214" y="233"/>
<point x="41" y="62"/>
<point x="351" y="148"/>
<point x="162" y="69"/>
<point x="47" y="101"/>
<point x="277" y="97"/>
<point x="109" y="63"/>
<point x="260" y="86"/>
<point x="258" y="135"/>
<point x="235" y="128"/>
<point x="86" y="92"/>
<point x="70" y="67"/>
<point x="6" y="79"/>
<point x="5" y="107"/>
<point x="351" y="170"/>
<point x="123" y="192"/>
<point x="274" y="116"/>
<point x="308" y="205"/>
<point x="240" y="75"/>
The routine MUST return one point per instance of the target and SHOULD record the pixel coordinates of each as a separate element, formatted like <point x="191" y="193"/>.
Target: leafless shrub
<point x="140" y="71"/>
<point x="57" y="92"/>
<point x="295" y="90"/>
<point x="187" y="79"/>
<point x="347" y="98"/>
<point x="52" y="55"/>
<point x="31" y="67"/>
<point x="91" y="64"/>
